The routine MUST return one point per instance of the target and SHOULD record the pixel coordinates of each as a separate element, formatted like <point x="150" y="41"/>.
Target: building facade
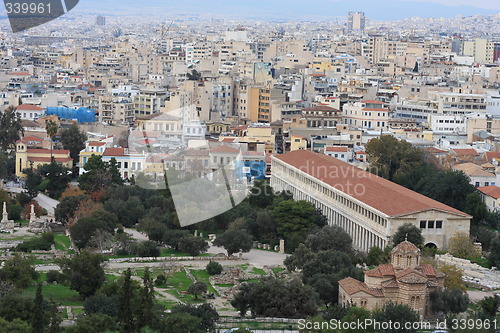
<point x="368" y="207"/>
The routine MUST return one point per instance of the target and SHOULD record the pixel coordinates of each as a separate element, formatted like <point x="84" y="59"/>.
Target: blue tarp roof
<point x="82" y="115"/>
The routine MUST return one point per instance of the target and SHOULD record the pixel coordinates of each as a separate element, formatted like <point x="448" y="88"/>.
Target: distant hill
<point x="284" y="9"/>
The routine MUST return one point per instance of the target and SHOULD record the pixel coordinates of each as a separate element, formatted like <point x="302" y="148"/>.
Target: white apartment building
<point x="367" y="114"/>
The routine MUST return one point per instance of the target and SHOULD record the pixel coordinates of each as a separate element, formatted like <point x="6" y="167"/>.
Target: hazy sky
<point x="487" y="4"/>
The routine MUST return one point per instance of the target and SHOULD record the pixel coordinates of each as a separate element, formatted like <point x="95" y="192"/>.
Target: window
<point x="125" y="165"/>
<point x="422" y="224"/>
<point x="430" y="224"/>
<point x="477" y="184"/>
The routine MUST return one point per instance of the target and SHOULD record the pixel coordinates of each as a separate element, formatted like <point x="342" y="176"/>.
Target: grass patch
<point x="173" y="253"/>
<point x="258" y="271"/>
<point x="250" y="280"/>
<point x="180" y="281"/>
<point x="480" y="261"/>
<point x="202" y="275"/>
<point x="62" y="242"/>
<point x="61" y="294"/>
<point x="22" y="222"/>
<point x="277" y="270"/>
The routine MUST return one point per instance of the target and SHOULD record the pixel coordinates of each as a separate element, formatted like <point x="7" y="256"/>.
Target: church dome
<point x="406" y="246"/>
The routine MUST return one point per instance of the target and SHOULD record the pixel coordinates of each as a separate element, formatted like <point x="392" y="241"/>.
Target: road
<point x="44" y="201"/>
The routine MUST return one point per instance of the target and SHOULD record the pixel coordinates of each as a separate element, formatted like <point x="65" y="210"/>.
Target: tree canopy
<point x="11" y="129"/>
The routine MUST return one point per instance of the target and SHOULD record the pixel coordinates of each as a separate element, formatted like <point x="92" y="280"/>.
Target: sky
<point x="486" y="4"/>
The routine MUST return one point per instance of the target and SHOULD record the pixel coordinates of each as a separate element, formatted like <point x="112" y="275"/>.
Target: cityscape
<point x="250" y="167"/>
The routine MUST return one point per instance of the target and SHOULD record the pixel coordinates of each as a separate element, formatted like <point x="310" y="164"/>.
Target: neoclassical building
<point x="368" y="207"/>
<point x="405" y="280"/>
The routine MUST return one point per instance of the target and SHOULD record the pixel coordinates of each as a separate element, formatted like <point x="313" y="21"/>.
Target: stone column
<point x="282" y="246"/>
<point x="5" y="215"/>
<point x="32" y="214"/>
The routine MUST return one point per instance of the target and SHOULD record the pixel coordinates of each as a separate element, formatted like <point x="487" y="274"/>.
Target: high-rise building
<point x="356" y="21"/>
<point x="100" y="20"/>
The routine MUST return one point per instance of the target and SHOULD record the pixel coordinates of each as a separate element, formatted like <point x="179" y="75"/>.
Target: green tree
<point x="197" y="288"/>
<point x="475" y="206"/>
<point x="147" y="249"/>
<point x="205" y="312"/>
<point x="193" y="245"/>
<point x="15" y="326"/>
<point x="84" y="272"/>
<point x="51" y="128"/>
<point x="66" y="208"/>
<point x="7" y="166"/>
<point x="145" y="312"/>
<point x="38" y="318"/>
<point x="213" y="268"/>
<point x="296" y="217"/>
<point x="449" y="301"/>
<point x="329" y="238"/>
<point x="11" y="129"/>
<point x="101" y="303"/>
<point x="73" y="140"/>
<point x="408" y="232"/>
<point x="125" y="312"/>
<point x="99" y="174"/>
<point x="494" y="257"/>
<point x="234" y="240"/>
<point x="55" y="179"/>
<point x="83" y="230"/>
<point x="389" y="156"/>
<point x="461" y="245"/>
<point x="182" y="323"/>
<point x="261" y="195"/>
<point x="19" y="272"/>
<point x="94" y="323"/>
<point x="355" y="314"/>
<point x="488" y="307"/>
<point x="377" y="256"/>
<point x="172" y="238"/>
<point x="276" y="298"/>
<point x="452" y="277"/>
<point x="397" y="313"/>
<point x="298" y="259"/>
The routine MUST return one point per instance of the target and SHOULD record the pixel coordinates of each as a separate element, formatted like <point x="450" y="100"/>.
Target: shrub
<point x="34" y="244"/>
<point x="160" y="280"/>
<point x="55" y="276"/>
<point x="147" y="249"/>
<point x="214" y="268"/>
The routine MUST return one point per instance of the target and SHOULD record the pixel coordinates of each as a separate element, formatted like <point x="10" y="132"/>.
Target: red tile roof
<point x="29" y="107"/>
<point x="492" y="191"/>
<point x="492" y="155"/>
<point x="47" y="151"/>
<point x="466" y="152"/>
<point x="352" y="286"/>
<point x="379" y="193"/>
<point x="96" y="144"/>
<point x="30" y="138"/>
<point x="434" y="150"/>
<point x="114" y="152"/>
<point x="322" y="108"/>
<point x="382" y="270"/>
<point x="337" y="149"/>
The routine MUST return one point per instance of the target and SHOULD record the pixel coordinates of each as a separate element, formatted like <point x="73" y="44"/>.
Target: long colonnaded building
<point x="368" y="207"/>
